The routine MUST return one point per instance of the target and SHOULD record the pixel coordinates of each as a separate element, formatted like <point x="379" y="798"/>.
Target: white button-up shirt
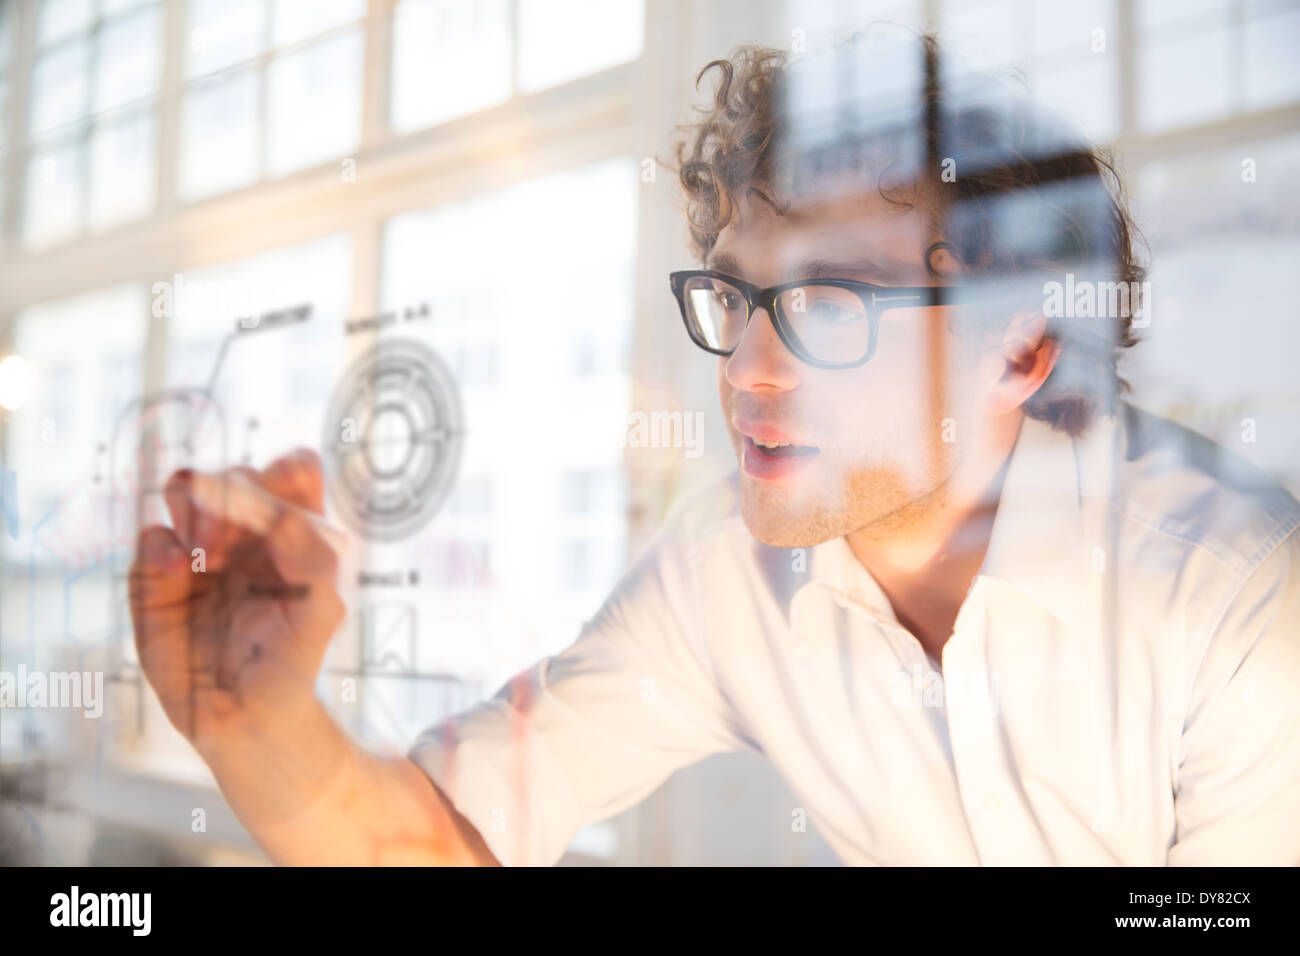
<point x="1122" y="685"/>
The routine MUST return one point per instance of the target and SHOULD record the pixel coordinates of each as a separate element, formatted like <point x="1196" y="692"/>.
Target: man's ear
<point x="1026" y="356"/>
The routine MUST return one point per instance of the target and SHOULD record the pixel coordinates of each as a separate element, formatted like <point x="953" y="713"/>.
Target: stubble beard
<point x="874" y="500"/>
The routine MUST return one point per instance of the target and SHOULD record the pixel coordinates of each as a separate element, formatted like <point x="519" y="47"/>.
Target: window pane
<point x="979" y="36"/>
<point x="1068" y="27"/>
<point x="1084" y="92"/>
<point x="59" y="87"/>
<point x="61" y="19"/>
<point x="296" y="20"/>
<point x="77" y="537"/>
<point x="121" y="171"/>
<point x="314" y="104"/>
<point x="219" y="134"/>
<point x="563" y="39"/>
<point x="109" y="8"/>
<point x="539" y="234"/>
<point x="6" y="34"/>
<point x="1154" y="15"/>
<point x="129" y="56"/>
<point x="80" y="391"/>
<point x="1183" y="80"/>
<point x="77" y="396"/>
<point x="280" y="377"/>
<point x="223" y="33"/>
<point x="450" y="57"/>
<point x="1272" y="78"/>
<point x="52" y="209"/>
<point x="1218" y="246"/>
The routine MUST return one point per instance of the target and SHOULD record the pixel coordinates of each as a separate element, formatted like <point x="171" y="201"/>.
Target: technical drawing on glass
<point x="392" y="440"/>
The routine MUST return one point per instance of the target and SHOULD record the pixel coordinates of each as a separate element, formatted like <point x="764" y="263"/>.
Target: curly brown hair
<point x="1032" y="199"/>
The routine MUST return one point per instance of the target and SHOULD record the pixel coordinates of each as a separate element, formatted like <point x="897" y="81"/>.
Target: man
<point x="972" y="606"/>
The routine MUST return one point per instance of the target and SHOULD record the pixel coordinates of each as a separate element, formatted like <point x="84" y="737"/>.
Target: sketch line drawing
<point x="387" y="629"/>
<point x="392" y="439"/>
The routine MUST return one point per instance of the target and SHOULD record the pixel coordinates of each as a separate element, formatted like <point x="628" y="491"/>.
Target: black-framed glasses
<point x="828" y="323"/>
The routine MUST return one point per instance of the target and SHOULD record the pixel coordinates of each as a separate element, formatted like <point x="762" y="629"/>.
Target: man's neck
<point x="926" y="559"/>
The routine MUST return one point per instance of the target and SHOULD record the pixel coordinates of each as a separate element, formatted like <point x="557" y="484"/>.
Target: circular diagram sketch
<point x="392" y="440"/>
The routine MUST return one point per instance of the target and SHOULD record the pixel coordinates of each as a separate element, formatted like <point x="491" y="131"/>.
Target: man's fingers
<point x="158" y="583"/>
<point x="296" y="477"/>
<point x="160" y="561"/>
<point x="201" y="521"/>
<point x="276" y="509"/>
<point x="309" y="566"/>
<point x="299" y="550"/>
<point x="176" y="492"/>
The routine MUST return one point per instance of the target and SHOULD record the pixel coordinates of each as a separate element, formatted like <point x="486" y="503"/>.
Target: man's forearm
<point x="310" y="796"/>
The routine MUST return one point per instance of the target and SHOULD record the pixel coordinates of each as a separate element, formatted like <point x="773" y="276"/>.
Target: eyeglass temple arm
<point x="937" y="294"/>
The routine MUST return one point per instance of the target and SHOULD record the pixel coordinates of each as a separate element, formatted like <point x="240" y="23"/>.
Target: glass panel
<point x="980" y="36"/>
<point x="556" y="38"/>
<point x="1260" y="8"/>
<point x="452" y="257"/>
<point x="1183" y="80"/>
<point x="314" y="104"/>
<point x="832" y="18"/>
<point x="6" y="34"/>
<point x="110" y="8"/>
<point x="77" y="393"/>
<point x="129" y="58"/>
<point x="280" y="377"/>
<point x="1069" y="27"/>
<point x="85" y="354"/>
<point x="52" y="210"/>
<point x="1085" y="92"/>
<point x="450" y="57"/>
<point x="1272" y="78"/>
<point x="295" y="20"/>
<point x="1154" y="15"/>
<point x="60" y="19"/>
<point x="122" y="171"/>
<point x="219" y="134"/>
<point x="60" y="87"/>
<point x="223" y="33"/>
<point x="1218" y="247"/>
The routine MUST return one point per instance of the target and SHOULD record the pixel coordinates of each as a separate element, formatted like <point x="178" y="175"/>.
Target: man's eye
<point x="830" y="313"/>
<point x="730" y="301"/>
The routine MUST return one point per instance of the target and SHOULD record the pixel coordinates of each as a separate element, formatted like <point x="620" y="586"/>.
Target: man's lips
<point x="780" y="451"/>
<point x="764" y="433"/>
<point x="770" y="452"/>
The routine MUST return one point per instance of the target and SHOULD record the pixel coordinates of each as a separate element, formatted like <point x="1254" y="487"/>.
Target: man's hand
<point x="232" y="620"/>
<point x="231" y="627"/>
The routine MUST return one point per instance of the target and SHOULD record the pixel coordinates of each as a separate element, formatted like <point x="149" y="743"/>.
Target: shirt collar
<point x="1045" y="542"/>
<point x="834" y="566"/>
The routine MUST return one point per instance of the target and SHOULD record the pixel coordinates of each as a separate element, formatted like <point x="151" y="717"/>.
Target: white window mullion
<point x="378" y="46"/>
<point x="171" y="84"/>
<point x="263" y="81"/>
<point x="90" y="123"/>
<point x="22" y="59"/>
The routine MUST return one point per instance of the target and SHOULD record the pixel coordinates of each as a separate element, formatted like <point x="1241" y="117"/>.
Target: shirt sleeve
<point x="1238" y="795"/>
<point x="582" y="735"/>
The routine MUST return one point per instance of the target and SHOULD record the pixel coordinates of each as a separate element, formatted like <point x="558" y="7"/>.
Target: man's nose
<point x="761" y="360"/>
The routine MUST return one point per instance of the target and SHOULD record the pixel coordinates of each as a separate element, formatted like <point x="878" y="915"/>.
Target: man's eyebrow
<point x="724" y="263"/>
<point x="845" y="269"/>
<point x="821" y="269"/>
